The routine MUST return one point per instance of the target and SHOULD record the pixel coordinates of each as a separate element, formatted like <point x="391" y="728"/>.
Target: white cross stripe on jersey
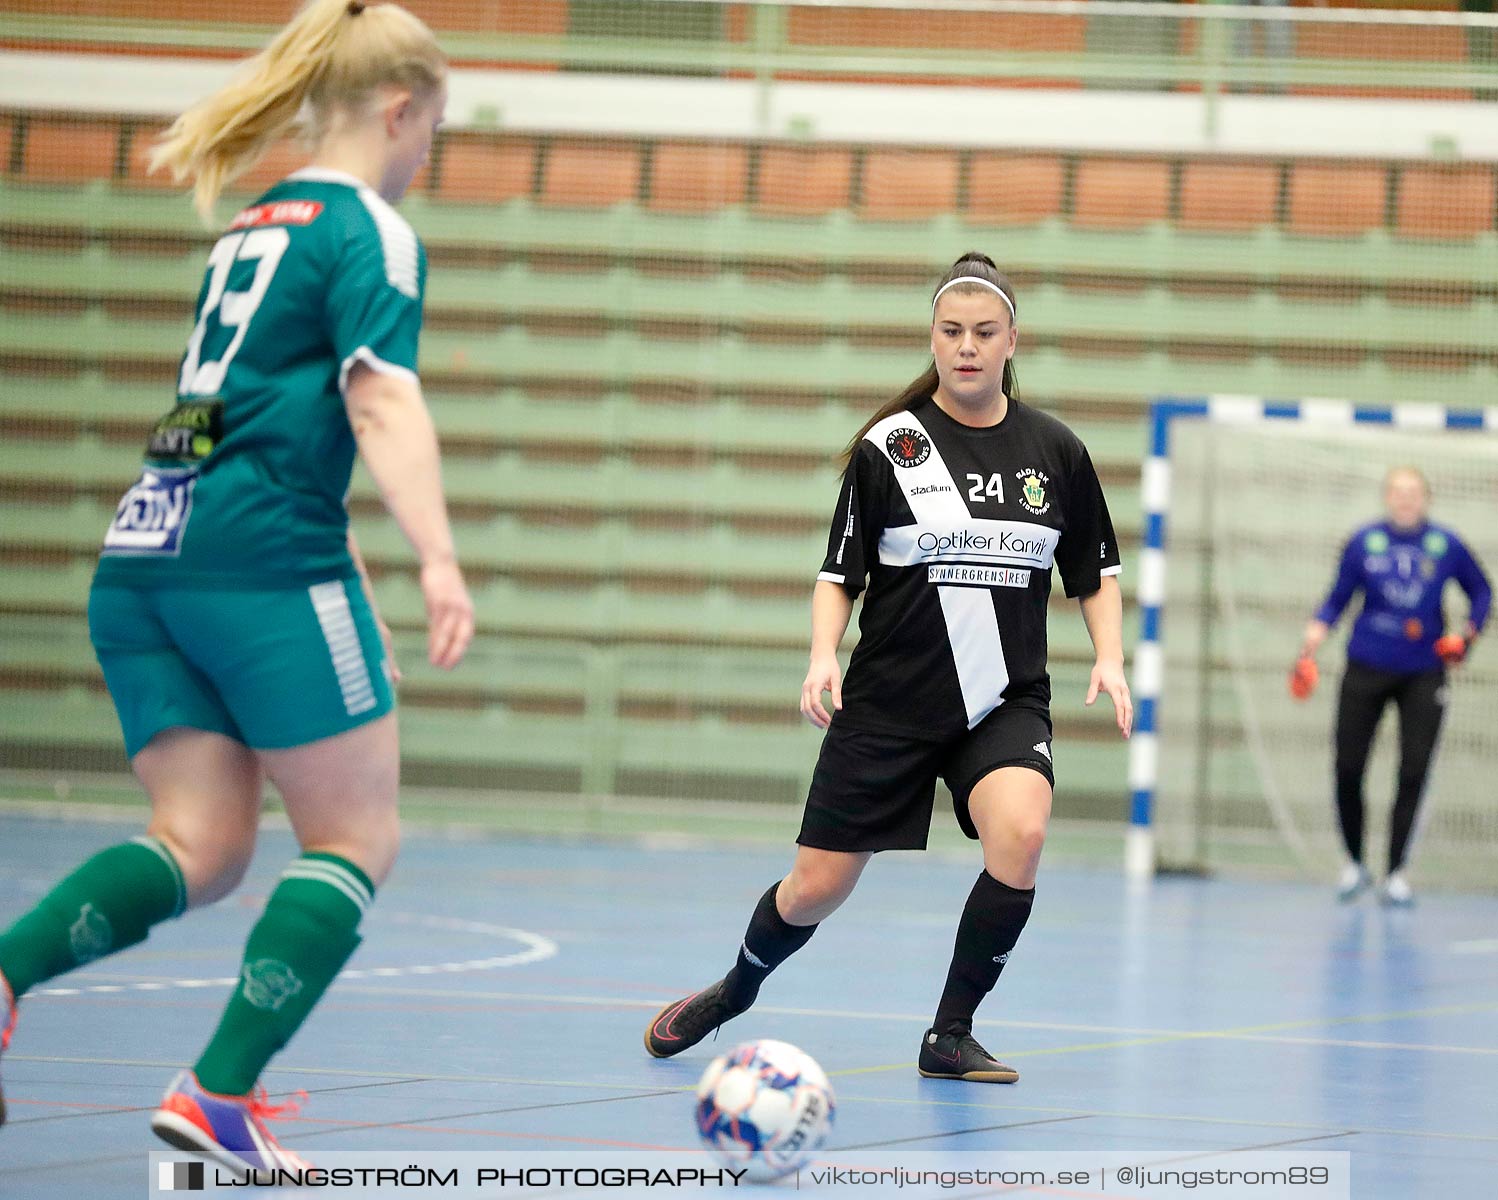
<point x="929" y="488"/>
<point x="1004" y="543"/>
<point x="977" y="649"/>
<point x="972" y="624"/>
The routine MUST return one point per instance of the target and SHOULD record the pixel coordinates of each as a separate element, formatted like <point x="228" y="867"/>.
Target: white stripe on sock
<point x="159" y="849"/>
<point x="330" y="881"/>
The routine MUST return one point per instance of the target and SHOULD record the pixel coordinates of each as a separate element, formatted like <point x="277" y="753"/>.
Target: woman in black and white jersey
<point x="956" y="502"/>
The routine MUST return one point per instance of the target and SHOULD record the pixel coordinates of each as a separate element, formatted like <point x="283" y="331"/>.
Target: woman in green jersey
<point x="230" y="612"/>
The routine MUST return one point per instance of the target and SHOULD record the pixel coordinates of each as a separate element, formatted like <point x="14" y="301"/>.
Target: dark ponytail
<point x="979" y="266"/>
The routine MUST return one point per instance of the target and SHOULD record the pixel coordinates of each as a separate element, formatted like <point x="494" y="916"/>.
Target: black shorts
<point x="875" y="791"/>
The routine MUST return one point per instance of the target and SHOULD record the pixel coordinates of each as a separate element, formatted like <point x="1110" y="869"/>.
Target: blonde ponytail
<point x="333" y="54"/>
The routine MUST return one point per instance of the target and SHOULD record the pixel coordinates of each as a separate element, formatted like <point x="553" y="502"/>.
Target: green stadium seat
<point x="84" y="461"/>
<point x="37" y="649"/>
<point x="73" y="717"/>
<point x="1048" y="248"/>
<point x="58" y="588"/>
<point x="96" y="270"/>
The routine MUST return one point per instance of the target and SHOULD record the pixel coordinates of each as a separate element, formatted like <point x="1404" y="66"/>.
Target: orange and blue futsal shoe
<point x="228" y="1129"/>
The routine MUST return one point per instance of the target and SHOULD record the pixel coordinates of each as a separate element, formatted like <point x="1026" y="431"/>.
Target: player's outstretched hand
<point x="1304" y="676"/>
<point x="449" y="613"/>
<point x="1451" y="648"/>
<point x="1109" y="677"/>
<point x="824" y="675"/>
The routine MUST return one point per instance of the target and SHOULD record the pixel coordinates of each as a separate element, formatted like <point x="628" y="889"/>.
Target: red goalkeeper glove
<point x="1304" y="677"/>
<point x="1451" y="648"/>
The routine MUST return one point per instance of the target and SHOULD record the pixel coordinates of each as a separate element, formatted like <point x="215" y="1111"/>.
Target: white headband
<point x="993" y="287"/>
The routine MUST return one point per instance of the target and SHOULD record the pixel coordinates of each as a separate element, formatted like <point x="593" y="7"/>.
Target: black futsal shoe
<point x="958" y="1056"/>
<point x="683" y="1023"/>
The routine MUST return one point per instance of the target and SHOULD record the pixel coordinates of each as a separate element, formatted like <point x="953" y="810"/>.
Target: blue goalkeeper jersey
<point x="1402" y="574"/>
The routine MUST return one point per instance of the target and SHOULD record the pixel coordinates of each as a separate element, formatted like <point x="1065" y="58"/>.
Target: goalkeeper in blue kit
<point x="1399" y="650"/>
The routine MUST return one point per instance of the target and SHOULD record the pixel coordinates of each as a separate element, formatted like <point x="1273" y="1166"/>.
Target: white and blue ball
<point x="764" y="1107"/>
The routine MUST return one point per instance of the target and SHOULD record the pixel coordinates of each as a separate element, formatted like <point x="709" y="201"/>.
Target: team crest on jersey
<point x="1032" y="497"/>
<point x="908" y="447"/>
<point x="1376" y="541"/>
<point x="1435" y="543"/>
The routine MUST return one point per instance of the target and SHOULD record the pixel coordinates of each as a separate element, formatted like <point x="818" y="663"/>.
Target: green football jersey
<point x="245" y="481"/>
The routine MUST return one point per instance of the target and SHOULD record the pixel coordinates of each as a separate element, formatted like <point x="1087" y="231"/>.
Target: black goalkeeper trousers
<point x="1421" y="700"/>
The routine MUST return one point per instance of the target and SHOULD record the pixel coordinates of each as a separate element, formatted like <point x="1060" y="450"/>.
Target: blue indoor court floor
<point x="502" y="989"/>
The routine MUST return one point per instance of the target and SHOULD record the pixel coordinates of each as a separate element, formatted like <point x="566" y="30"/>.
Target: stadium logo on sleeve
<point x="1032" y="497"/>
<point x="908" y="447"/>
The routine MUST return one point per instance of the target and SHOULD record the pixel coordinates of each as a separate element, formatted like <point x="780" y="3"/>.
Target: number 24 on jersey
<point x="983" y="489"/>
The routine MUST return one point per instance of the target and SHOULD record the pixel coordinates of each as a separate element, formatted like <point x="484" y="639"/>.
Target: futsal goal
<point x="1247" y="505"/>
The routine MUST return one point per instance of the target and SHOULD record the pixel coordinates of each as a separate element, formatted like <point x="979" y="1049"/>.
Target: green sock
<point x="306" y="934"/>
<point x="107" y="904"/>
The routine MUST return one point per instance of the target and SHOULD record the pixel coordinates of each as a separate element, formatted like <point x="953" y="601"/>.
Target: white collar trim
<point x="327" y="175"/>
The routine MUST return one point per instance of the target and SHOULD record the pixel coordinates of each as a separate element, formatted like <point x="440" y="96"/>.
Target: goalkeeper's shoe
<point x="1353" y="882"/>
<point x="1396" y="891"/>
<point x="229" y="1129"/>
<point x="958" y="1056"/>
<point x="683" y="1023"/>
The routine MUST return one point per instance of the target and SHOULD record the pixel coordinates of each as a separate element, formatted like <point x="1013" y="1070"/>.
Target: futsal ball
<point x="764" y="1107"/>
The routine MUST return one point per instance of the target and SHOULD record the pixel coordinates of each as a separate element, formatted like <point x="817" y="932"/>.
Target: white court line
<point x="537" y="948"/>
<point x="1164" y="1035"/>
<point x="1476" y="946"/>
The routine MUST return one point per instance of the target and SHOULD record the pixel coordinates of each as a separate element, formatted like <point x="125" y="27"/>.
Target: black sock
<point x="768" y="942"/>
<point x="991" y="923"/>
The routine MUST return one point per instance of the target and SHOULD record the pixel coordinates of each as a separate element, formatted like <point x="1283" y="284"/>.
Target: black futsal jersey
<point x="956" y="530"/>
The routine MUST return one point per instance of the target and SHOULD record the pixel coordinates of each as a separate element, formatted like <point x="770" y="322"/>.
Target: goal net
<point x="1259" y="512"/>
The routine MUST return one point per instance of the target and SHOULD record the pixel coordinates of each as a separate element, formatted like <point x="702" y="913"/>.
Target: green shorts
<point x="271" y="669"/>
